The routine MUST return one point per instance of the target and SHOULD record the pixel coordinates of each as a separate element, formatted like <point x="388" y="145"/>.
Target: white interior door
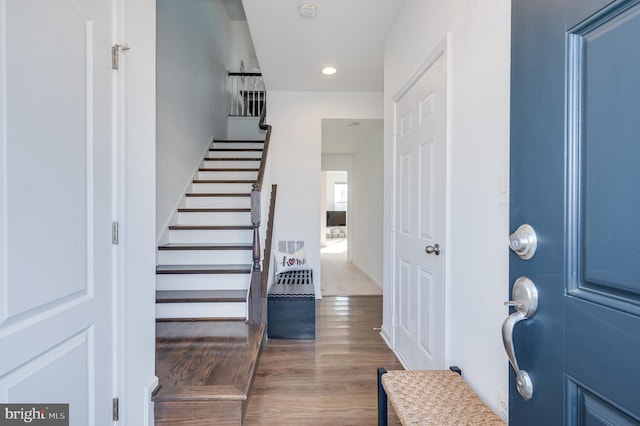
<point x="420" y="206"/>
<point x="56" y="280"/>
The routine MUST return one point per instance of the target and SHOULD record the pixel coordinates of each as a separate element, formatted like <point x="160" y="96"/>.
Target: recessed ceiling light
<point x="307" y="9"/>
<point x="329" y="71"/>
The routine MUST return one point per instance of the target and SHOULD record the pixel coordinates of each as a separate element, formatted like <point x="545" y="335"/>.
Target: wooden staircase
<point x="206" y="371"/>
<point x="204" y="271"/>
<point x="207" y="344"/>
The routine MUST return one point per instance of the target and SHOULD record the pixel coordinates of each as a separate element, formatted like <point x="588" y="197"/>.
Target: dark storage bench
<point x="291" y="306"/>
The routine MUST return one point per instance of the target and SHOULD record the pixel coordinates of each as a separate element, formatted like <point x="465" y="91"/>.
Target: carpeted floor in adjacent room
<point x="341" y="278"/>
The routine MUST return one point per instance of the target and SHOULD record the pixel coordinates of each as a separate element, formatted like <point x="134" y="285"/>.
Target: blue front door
<point x="575" y="178"/>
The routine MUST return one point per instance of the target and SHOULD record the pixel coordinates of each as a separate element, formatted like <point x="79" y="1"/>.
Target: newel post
<point x="255" y="293"/>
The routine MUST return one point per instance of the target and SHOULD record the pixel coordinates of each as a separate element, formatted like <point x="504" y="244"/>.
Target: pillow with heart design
<point x="290" y="261"/>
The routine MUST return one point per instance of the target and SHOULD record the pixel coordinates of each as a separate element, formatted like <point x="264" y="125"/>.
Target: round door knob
<point x="434" y="249"/>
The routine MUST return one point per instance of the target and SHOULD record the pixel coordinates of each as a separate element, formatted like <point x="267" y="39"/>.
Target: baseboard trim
<point x="386" y="337"/>
<point x="366" y="274"/>
<point x="149" y="406"/>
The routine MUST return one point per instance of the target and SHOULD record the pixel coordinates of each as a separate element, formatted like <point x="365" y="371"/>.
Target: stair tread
<point x="218" y="194"/>
<point x="204" y="269"/>
<point x="210" y="169"/>
<point x="237" y="149"/>
<point x="212" y="210"/>
<point x="238" y="141"/>
<point x="229" y="372"/>
<point x="233" y="159"/>
<point x="209" y="227"/>
<point x="199" y="393"/>
<point x="201" y="296"/>
<point x="224" y="181"/>
<point x="205" y="246"/>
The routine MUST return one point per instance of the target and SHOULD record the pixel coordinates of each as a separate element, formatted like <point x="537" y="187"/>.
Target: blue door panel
<point x="611" y="154"/>
<point x="591" y="410"/>
<point x="575" y="177"/>
<point x="602" y="350"/>
<point x="579" y="10"/>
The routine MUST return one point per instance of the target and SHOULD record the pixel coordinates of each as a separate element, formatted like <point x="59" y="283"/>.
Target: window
<point x="341" y="194"/>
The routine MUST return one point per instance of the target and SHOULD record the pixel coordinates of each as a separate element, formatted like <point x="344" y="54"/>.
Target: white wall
<point x="478" y="134"/>
<point x="244" y="128"/>
<point x="366" y="204"/>
<point x="323" y="209"/>
<point x="295" y="159"/>
<point x="242" y="48"/>
<point x="337" y="162"/>
<point x="137" y="214"/>
<point x="192" y="62"/>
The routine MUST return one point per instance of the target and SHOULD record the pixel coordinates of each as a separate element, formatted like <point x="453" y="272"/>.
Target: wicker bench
<point x="432" y="397"/>
<point x="291" y="306"/>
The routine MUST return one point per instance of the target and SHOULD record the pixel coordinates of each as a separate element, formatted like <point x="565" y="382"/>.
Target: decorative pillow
<point x="289" y="261"/>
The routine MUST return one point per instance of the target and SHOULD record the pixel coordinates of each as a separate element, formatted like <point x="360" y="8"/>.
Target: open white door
<point x="56" y="279"/>
<point x="419" y="291"/>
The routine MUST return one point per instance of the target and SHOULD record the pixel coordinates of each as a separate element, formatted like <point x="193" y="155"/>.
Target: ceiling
<point x="338" y="137"/>
<point x="346" y="34"/>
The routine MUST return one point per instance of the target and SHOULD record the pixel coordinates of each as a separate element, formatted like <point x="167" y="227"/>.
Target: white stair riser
<point x="228" y="175"/>
<point x="234" y="154"/>
<point x="218" y="164"/>
<point x="231" y="218"/>
<point x="204" y="257"/>
<point x="241" y="145"/>
<point x="201" y="310"/>
<point x="202" y="282"/>
<point x="231" y="236"/>
<point x="221" y="188"/>
<point x="218" y="202"/>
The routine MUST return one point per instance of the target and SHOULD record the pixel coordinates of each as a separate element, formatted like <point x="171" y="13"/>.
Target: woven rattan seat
<point x="436" y="397"/>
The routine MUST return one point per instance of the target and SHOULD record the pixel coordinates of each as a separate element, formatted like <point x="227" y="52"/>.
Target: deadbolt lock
<point x="524" y="242"/>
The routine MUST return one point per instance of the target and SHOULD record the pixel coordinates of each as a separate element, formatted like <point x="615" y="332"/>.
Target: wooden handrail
<point x="256" y="292"/>
<point x="267" y="251"/>
<point x="265" y="149"/>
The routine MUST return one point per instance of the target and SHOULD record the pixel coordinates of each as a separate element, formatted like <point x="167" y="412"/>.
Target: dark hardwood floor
<point x="206" y="368"/>
<point x="327" y="381"/>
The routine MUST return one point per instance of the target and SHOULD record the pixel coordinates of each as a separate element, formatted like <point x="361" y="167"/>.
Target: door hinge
<point x="116" y="409"/>
<point x="114" y="233"/>
<point x="115" y="54"/>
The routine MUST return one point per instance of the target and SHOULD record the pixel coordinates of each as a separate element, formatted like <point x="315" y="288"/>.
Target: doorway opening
<point x="334" y="252"/>
<point x="351" y="207"/>
<point x="336" y="207"/>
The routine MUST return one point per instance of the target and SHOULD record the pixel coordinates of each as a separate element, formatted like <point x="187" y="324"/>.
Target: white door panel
<point x="56" y="196"/>
<point x="420" y="177"/>
<point x="427" y="330"/>
<point x="405" y="192"/>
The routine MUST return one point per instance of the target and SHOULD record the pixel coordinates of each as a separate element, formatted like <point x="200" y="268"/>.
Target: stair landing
<point x="205" y="369"/>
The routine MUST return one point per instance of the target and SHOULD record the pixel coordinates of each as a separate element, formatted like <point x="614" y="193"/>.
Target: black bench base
<point x="291" y="306"/>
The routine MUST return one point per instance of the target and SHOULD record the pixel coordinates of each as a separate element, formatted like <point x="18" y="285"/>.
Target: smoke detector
<point x="307" y="9"/>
